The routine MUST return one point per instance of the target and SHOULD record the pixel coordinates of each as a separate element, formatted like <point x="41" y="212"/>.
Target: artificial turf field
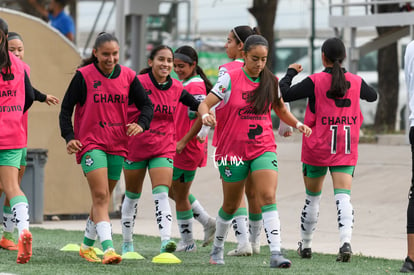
<point x="48" y="259"/>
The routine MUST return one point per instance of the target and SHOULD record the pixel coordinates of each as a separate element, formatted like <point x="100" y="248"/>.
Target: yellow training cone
<point x="132" y="256"/>
<point x="71" y="247"/>
<point x="166" y="258"/>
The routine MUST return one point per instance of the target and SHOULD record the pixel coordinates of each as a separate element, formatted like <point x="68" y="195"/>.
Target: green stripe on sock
<point x="342" y="191"/>
<point x="191" y="198"/>
<point x="107" y="244"/>
<point x="7" y="210"/>
<point x="242" y="211"/>
<point x="255" y="217"/>
<point x="17" y="199"/>
<point x="132" y="195"/>
<point x="310" y="193"/>
<point x="160" y="189"/>
<point x="225" y="216"/>
<point x="184" y="215"/>
<point x="88" y="242"/>
<point x="269" y="207"/>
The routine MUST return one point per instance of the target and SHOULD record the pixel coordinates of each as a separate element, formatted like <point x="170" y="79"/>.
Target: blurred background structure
<point x="375" y="33"/>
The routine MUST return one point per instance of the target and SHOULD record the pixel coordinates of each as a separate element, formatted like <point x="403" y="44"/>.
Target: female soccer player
<point x="17" y="48"/>
<point x="155" y="149"/>
<point x="17" y="97"/>
<point x="334" y="114"/>
<point x="191" y="153"/>
<point x="101" y="90"/>
<point x="246" y="143"/>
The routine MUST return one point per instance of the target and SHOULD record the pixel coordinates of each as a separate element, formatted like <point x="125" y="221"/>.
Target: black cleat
<point x="345" y="253"/>
<point x="408" y="266"/>
<point x="304" y="253"/>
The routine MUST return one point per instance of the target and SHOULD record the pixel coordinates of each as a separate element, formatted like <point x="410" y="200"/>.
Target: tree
<point x="388" y="78"/>
<point x="265" y="13"/>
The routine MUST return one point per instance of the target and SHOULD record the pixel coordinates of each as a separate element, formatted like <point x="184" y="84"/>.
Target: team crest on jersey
<point x="227" y="172"/>
<point x="88" y="160"/>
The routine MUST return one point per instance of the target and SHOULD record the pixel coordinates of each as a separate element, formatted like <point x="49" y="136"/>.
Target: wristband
<point x="298" y="124"/>
<point x="204" y="116"/>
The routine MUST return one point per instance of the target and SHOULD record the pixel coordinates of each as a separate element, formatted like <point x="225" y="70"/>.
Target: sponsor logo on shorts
<point x="88" y="160"/>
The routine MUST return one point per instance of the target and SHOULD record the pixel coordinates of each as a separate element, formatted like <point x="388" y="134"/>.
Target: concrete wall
<point x="53" y="61"/>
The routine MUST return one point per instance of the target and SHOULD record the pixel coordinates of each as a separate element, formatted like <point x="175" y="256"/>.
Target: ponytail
<point x="5" y="63"/>
<point x="334" y="51"/>
<point x="203" y="76"/>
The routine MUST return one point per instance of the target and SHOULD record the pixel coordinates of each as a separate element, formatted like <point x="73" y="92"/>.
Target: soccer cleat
<point x="209" y="231"/>
<point x="304" y="253"/>
<point x="217" y="255"/>
<point x="245" y="250"/>
<point x="24" y="247"/>
<point x="186" y="247"/>
<point x="408" y="266"/>
<point x="168" y="246"/>
<point x="127" y="247"/>
<point x="345" y="253"/>
<point x="255" y="247"/>
<point x="110" y="257"/>
<point x="89" y="254"/>
<point x="7" y="241"/>
<point x="278" y="261"/>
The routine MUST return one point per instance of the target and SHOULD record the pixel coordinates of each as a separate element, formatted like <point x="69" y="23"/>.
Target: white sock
<point x="8" y="221"/>
<point x="21" y="214"/>
<point x="163" y="214"/>
<point x="241" y="230"/>
<point x="199" y="213"/>
<point x="222" y="228"/>
<point x="271" y="224"/>
<point x="104" y="231"/>
<point x="345" y="217"/>
<point x="128" y="213"/>
<point x="255" y="227"/>
<point x="186" y="230"/>
<point x="309" y="219"/>
<point x="90" y="229"/>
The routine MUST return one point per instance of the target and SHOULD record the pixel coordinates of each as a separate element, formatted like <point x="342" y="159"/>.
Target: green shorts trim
<point x="150" y="163"/>
<point x="23" y="161"/>
<point x="96" y="159"/>
<point x="11" y="157"/>
<point x="183" y="175"/>
<point x="312" y="171"/>
<point x="233" y="172"/>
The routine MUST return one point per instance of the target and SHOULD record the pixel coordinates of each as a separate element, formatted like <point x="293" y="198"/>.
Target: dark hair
<point x="5" y="62"/>
<point x="242" y="32"/>
<point x="267" y="92"/>
<point x="4" y="27"/>
<point x="189" y="55"/>
<point x="14" y="35"/>
<point x="334" y="51"/>
<point x="102" y="38"/>
<point x="152" y="55"/>
<point x="63" y="3"/>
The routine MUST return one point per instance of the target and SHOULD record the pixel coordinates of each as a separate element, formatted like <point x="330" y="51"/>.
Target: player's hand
<point x="134" y="129"/>
<point x="305" y="130"/>
<point x="73" y="146"/>
<point x="51" y="100"/>
<point x="296" y="66"/>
